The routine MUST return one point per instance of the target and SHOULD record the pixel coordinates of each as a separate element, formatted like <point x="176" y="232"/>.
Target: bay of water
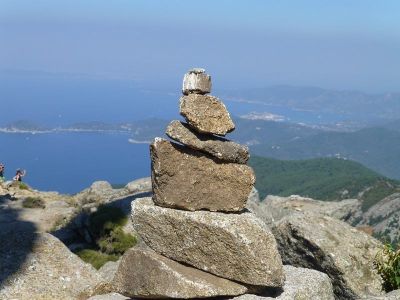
<point x="70" y="162"/>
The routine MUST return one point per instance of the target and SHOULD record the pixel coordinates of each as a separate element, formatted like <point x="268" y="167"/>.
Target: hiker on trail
<point x="2" y="179"/>
<point x="18" y="176"/>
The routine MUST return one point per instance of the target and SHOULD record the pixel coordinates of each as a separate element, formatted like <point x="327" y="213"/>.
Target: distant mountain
<point x="322" y="178"/>
<point x="355" y="105"/>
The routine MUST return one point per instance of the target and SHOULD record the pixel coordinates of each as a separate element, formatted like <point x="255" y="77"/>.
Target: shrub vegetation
<point x="387" y="263"/>
<point x="33" y="202"/>
<point x="110" y="241"/>
<point x="23" y="186"/>
<point x="95" y="258"/>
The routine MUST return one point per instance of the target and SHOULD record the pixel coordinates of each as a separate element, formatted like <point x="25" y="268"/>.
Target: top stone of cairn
<point x="196" y="81"/>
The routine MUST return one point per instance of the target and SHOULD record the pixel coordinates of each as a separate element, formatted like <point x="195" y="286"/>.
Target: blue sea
<point x="70" y="162"/>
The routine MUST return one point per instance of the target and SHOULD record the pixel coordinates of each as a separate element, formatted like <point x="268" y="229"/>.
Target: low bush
<point x="33" y="202"/>
<point x="23" y="186"/>
<point x="116" y="242"/>
<point x="95" y="258"/>
<point x="110" y="241"/>
<point x="105" y="219"/>
<point x="387" y="263"/>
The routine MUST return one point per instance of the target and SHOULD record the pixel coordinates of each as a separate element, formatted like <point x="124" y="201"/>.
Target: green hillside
<point x="376" y="148"/>
<point x="321" y="178"/>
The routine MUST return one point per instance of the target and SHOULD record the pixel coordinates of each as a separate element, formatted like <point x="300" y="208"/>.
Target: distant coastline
<point x="23" y="131"/>
<point x="133" y="141"/>
<point x="12" y="130"/>
<point x="57" y="130"/>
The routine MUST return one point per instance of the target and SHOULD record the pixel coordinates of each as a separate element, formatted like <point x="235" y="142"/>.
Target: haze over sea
<point x="65" y="62"/>
<point x="70" y="161"/>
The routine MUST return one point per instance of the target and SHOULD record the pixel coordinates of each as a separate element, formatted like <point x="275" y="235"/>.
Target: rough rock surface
<point x="394" y="295"/>
<point x="108" y="270"/>
<point x="333" y="247"/>
<point x="99" y="192"/>
<point x="206" y="114"/>
<point x="109" y="296"/>
<point x="234" y="246"/>
<point x="196" y="81"/>
<point x="274" y="208"/>
<point x="39" y="266"/>
<point x="139" y="186"/>
<point x="144" y="273"/>
<point x="188" y="179"/>
<point x="300" y="284"/>
<point x="216" y="146"/>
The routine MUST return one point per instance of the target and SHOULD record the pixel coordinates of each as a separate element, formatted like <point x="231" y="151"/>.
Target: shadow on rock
<point x="17" y="239"/>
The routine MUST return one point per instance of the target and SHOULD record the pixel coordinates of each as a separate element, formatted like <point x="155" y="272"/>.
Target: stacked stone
<point x="200" y="240"/>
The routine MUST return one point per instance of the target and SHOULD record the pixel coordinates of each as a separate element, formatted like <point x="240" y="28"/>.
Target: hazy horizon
<point x="337" y="45"/>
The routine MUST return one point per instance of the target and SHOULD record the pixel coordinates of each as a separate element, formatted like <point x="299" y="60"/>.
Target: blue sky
<point x="334" y="44"/>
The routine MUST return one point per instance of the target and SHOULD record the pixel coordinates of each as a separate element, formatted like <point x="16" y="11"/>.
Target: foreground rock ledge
<point x="218" y="147"/>
<point x="300" y="284"/>
<point x="188" y="179"/>
<point x="206" y="114"/>
<point x="144" y="273"/>
<point x="39" y="266"/>
<point x="234" y="246"/>
<point x="331" y="246"/>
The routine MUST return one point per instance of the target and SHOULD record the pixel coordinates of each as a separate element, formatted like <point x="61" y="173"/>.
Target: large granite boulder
<point x="145" y="274"/>
<point x="333" y="247"/>
<point x="300" y="284"/>
<point x="99" y="192"/>
<point x="187" y="179"/>
<point x="218" y="147"/>
<point x="108" y="270"/>
<point x="39" y="266"/>
<point x="206" y="114"/>
<point x="234" y="246"/>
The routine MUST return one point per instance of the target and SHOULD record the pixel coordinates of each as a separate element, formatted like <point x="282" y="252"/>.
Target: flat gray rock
<point x="235" y="246"/>
<point x="187" y="179"/>
<point x="333" y="247"/>
<point x="221" y="148"/>
<point x="145" y="274"/>
<point x="196" y="81"/>
<point x="300" y="284"/>
<point x="206" y="114"/>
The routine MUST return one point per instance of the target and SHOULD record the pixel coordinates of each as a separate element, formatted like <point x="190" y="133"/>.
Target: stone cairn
<point x="199" y="240"/>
